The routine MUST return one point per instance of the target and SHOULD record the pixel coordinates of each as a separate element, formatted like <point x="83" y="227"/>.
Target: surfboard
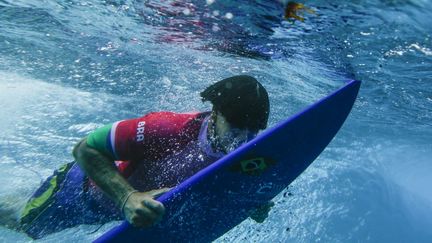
<point x="222" y="195"/>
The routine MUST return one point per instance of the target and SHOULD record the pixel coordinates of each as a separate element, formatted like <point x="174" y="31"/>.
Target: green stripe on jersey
<point x="98" y="140"/>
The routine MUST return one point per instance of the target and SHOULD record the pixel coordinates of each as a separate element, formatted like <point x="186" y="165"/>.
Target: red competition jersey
<point x="155" y="135"/>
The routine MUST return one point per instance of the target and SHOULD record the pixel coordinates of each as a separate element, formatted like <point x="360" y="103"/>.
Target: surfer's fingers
<point x="270" y="204"/>
<point x="158" y="192"/>
<point x="265" y="208"/>
<point x="144" y="217"/>
<point x="154" y="205"/>
<point x="138" y="221"/>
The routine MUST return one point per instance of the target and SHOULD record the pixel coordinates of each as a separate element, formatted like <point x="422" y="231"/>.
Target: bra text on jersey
<point x="140" y="131"/>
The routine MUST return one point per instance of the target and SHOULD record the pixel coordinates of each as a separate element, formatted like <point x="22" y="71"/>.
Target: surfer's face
<point x="230" y="137"/>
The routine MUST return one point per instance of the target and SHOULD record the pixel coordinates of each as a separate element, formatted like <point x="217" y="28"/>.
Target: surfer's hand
<point x="261" y="212"/>
<point x="141" y="210"/>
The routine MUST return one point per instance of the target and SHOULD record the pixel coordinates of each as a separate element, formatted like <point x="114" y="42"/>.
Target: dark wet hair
<point x="242" y="100"/>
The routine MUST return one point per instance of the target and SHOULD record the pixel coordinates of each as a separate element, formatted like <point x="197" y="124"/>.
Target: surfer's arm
<point x="102" y="170"/>
<point x="97" y="161"/>
<point x="139" y="208"/>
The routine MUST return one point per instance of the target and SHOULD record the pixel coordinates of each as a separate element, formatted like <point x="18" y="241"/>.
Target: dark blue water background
<point x="68" y="67"/>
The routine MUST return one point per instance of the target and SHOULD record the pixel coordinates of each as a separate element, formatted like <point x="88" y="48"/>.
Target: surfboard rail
<point x="306" y="135"/>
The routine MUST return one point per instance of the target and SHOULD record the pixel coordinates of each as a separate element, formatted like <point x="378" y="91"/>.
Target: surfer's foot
<point x="9" y="213"/>
<point x="8" y="220"/>
<point x="261" y="212"/>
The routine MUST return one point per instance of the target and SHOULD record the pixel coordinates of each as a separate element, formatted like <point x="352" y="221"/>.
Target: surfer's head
<point x="242" y="100"/>
<point x="240" y="109"/>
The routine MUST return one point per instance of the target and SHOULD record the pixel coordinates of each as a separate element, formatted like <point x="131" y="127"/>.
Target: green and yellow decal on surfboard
<point x="253" y="166"/>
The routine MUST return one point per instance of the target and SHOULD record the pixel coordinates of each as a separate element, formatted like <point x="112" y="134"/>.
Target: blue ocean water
<point x="70" y="66"/>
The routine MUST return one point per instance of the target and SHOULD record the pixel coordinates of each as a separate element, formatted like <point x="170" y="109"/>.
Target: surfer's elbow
<point x="82" y="152"/>
<point x="77" y="150"/>
<point x="89" y="158"/>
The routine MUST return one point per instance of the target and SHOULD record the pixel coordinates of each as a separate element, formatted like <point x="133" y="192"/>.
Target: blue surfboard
<point x="221" y="196"/>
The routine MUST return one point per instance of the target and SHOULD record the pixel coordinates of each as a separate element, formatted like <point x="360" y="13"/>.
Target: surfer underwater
<point x="121" y="167"/>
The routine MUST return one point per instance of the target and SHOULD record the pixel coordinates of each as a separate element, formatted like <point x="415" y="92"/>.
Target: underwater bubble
<point x="186" y="11"/>
<point x="229" y="15"/>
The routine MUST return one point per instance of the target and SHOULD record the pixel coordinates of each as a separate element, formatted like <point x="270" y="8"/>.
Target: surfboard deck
<point x="221" y="196"/>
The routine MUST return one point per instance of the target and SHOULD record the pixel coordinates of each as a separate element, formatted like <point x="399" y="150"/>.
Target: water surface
<point x="68" y="67"/>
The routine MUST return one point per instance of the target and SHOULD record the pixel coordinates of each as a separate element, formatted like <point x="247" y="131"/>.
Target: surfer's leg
<point x="40" y="214"/>
<point x="9" y="212"/>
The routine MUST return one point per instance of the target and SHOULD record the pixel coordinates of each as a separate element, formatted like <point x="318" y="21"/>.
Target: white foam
<point x="400" y="51"/>
<point x="421" y="49"/>
<point x="409" y="168"/>
<point x="40" y="123"/>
